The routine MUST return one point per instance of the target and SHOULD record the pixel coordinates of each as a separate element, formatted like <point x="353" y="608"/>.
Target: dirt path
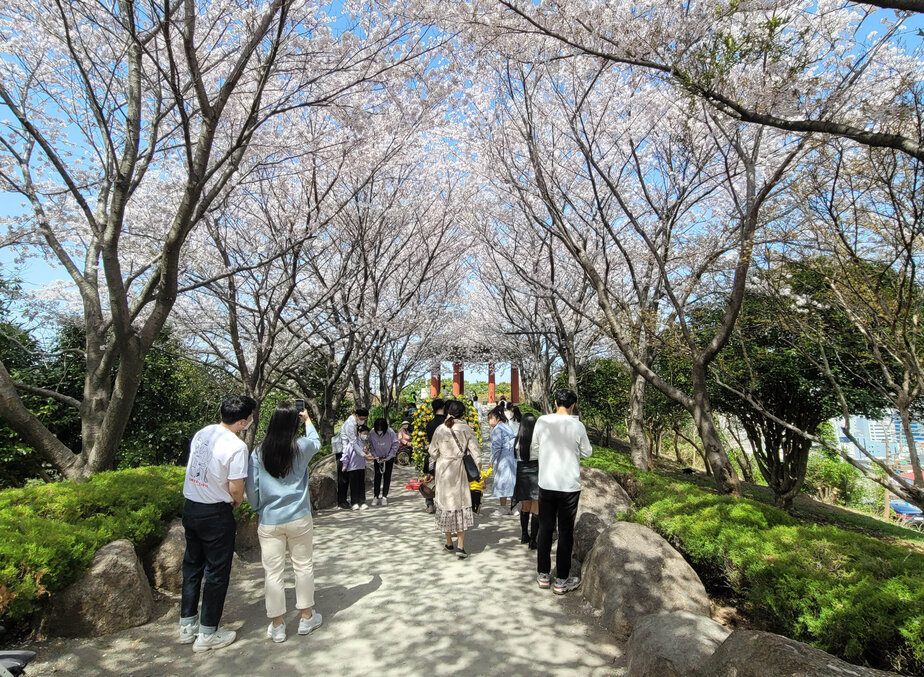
<point x="394" y="603"/>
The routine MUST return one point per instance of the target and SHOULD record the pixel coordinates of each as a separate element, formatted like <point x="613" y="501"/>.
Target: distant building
<point x="877" y="435"/>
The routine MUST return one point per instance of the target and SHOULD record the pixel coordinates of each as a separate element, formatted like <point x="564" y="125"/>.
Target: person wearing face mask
<point x="213" y="487"/>
<point x="354" y="467"/>
<point x="348" y="434"/>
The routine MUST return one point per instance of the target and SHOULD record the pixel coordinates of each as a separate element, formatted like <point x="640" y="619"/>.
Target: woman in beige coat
<point x="453" y="499"/>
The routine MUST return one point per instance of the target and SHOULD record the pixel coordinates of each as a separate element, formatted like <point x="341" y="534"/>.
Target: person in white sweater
<point x="559" y="443"/>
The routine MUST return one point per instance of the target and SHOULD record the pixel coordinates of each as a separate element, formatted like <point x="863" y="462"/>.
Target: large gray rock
<point x="323" y="490"/>
<point x="673" y="644"/>
<point x="750" y="653"/>
<point x="602" y="495"/>
<point x="164" y="565"/>
<point x="633" y="572"/>
<point x="113" y="595"/>
<point x="246" y="538"/>
<point x="586" y="530"/>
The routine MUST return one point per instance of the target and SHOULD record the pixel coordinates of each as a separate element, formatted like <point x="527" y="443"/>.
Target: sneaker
<point x="343" y="506"/>
<point x="188" y="633"/>
<point x="218" y="639"/>
<point x="375" y="501"/>
<point x="449" y="547"/>
<point x="383" y="501"/>
<point x="460" y="553"/>
<point x="364" y="507"/>
<point x="544" y="581"/>
<point x="356" y="506"/>
<point x="524" y="538"/>
<point x="533" y="545"/>
<point x="563" y="585"/>
<point x="308" y="625"/>
<point x="277" y="633"/>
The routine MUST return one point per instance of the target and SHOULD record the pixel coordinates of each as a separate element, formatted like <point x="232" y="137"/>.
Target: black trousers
<point x="357" y="481"/>
<point x="210" y="530"/>
<point x="342" y="483"/>
<point x="560" y="506"/>
<point x="382" y="469"/>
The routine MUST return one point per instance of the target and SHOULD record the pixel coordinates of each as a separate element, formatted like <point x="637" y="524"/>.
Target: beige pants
<point x="297" y="536"/>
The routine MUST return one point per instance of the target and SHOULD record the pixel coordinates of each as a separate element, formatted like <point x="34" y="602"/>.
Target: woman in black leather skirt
<point x="526" y="490"/>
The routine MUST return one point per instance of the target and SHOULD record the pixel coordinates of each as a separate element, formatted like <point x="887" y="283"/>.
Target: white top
<point x="559" y="442"/>
<point x="216" y="455"/>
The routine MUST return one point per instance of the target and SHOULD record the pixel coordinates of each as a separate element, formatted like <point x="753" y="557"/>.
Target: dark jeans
<point x="357" y="480"/>
<point x="342" y="483"/>
<point x="377" y="480"/>
<point x="210" y="529"/>
<point x="561" y="506"/>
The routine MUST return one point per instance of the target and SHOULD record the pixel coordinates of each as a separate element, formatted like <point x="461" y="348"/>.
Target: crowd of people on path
<point x="535" y="461"/>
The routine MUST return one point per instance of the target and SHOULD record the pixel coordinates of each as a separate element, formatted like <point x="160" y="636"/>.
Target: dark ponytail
<point x="454" y="409"/>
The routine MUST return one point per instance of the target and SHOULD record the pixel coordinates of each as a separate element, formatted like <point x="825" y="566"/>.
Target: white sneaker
<point x="563" y="585"/>
<point x="188" y="633"/>
<point x="375" y="501"/>
<point x="383" y="501"/>
<point x="364" y="507"/>
<point x="308" y="625"/>
<point x="277" y="633"/>
<point x="355" y="506"/>
<point x="218" y="639"/>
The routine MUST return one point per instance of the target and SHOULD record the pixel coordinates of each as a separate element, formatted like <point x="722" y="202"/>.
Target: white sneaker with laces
<point x="544" y="581"/>
<point x="375" y="501"/>
<point x="308" y="625"/>
<point x="277" y="633"/>
<point x="355" y="506"/>
<point x="563" y="585"/>
<point x="383" y="501"/>
<point x="218" y="639"/>
<point x="188" y="633"/>
<point x="364" y="507"/>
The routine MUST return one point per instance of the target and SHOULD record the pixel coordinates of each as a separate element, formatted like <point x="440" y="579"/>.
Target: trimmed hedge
<point x="845" y="593"/>
<point x="52" y="531"/>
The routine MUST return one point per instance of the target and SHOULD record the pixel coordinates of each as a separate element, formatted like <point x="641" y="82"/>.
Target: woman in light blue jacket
<point x="277" y="489"/>
<point x="502" y="457"/>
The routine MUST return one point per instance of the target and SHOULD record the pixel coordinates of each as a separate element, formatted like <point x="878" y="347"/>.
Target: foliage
<point x="423" y="416"/>
<point x="603" y="388"/>
<point x="52" y="531"/>
<point x="831" y="479"/>
<point x="816" y="584"/>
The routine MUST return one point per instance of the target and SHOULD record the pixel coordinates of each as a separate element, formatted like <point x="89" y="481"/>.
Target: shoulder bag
<point x="471" y="468"/>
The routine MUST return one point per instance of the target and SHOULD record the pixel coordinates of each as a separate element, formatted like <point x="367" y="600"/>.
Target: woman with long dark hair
<point x="502" y="458"/>
<point x="452" y="441"/>
<point x="277" y="489"/>
<point x="383" y="445"/>
<point x="526" y="490"/>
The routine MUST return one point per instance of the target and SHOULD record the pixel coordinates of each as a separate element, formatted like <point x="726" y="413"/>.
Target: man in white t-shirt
<point x="559" y="443"/>
<point x="214" y="486"/>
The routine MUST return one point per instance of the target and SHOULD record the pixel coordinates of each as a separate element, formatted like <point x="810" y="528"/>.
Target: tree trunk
<point x="638" y="445"/>
<point x="905" y="414"/>
<point x="722" y="469"/>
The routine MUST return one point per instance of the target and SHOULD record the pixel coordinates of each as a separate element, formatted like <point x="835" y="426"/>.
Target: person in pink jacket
<point x="383" y="445"/>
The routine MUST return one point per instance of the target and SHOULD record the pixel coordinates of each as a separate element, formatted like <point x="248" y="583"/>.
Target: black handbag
<point x="471" y="468"/>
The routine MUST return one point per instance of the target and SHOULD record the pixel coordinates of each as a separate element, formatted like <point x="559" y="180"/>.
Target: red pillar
<point x="457" y="379"/>
<point x="491" y="387"/>
<point x="514" y="384"/>
<point x="435" y="380"/>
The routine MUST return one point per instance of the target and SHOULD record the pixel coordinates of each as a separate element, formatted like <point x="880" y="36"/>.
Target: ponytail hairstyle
<point x="517" y="414"/>
<point x="454" y="409"/>
<point x="498" y="414"/>
<point x="278" y="448"/>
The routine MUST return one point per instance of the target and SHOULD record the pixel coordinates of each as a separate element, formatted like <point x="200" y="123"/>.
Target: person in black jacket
<point x="439" y="415"/>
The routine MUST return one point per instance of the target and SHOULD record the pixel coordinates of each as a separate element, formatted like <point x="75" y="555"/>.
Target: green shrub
<point x="52" y="531"/>
<point x="848" y="594"/>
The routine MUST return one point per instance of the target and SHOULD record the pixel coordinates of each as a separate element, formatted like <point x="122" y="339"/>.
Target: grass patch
<point x="854" y="596"/>
<point x="51" y="532"/>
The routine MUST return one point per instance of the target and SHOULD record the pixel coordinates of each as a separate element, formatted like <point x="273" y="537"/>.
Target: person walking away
<point x="277" y="489"/>
<point x="559" y="443"/>
<point x="354" y="467"/>
<point x="526" y="489"/>
<point x="213" y="487"/>
<point x="439" y="416"/>
<point x="348" y="434"/>
<point x="514" y="417"/>
<point x="383" y="445"/>
<point x="451" y="442"/>
<point x="502" y="458"/>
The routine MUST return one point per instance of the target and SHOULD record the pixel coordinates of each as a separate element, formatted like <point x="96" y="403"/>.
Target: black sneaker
<point x="460" y="553"/>
<point x="345" y="506"/>
<point x="533" y="545"/>
<point x="449" y="547"/>
<point x="524" y="538"/>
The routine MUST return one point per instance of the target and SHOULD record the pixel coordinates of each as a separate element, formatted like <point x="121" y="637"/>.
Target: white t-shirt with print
<point x="216" y="455"/>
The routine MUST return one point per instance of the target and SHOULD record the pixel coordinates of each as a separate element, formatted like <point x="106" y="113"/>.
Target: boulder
<point x="673" y="644"/>
<point x="602" y="495"/>
<point x="246" y="537"/>
<point x="633" y="572"/>
<point x="586" y="530"/>
<point x="113" y="595"/>
<point x="164" y="565"/>
<point x="748" y="653"/>
<point x="323" y="490"/>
